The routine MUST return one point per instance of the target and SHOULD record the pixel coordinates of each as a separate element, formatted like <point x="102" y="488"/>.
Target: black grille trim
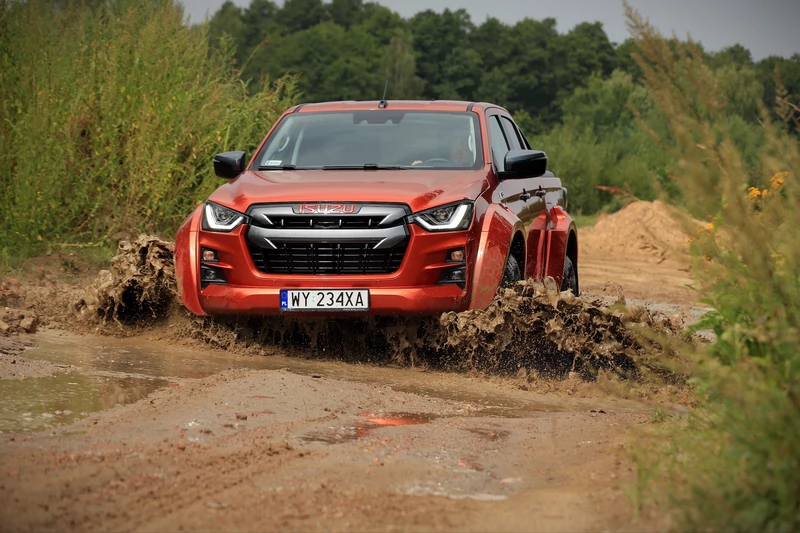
<point x="346" y="258"/>
<point x="326" y="221"/>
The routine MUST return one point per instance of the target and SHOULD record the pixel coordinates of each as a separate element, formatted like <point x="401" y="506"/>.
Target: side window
<point x="525" y="142"/>
<point x="499" y="145"/>
<point x="511" y="134"/>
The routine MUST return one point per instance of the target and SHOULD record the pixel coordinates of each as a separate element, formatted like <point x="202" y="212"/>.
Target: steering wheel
<point x="436" y="160"/>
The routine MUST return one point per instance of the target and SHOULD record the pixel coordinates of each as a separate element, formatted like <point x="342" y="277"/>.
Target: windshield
<point x="375" y="138"/>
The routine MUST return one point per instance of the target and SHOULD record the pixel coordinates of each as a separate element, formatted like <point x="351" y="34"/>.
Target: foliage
<point x="732" y="465"/>
<point x="113" y="90"/>
<point x="576" y="94"/>
<point x="110" y="117"/>
<point x="601" y="144"/>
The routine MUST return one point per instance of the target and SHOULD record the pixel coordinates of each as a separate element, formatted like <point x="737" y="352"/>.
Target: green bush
<point x="109" y="120"/>
<point x="734" y="463"/>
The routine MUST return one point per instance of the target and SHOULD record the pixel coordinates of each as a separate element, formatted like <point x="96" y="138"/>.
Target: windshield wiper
<point x="368" y="166"/>
<point x="279" y="167"/>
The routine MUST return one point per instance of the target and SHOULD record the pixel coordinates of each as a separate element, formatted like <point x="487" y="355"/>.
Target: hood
<point x="420" y="189"/>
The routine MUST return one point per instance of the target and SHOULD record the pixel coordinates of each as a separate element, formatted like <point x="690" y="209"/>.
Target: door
<point x="532" y="206"/>
<point x="510" y="192"/>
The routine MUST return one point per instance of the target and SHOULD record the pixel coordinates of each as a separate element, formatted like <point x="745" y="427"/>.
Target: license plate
<point x="325" y="300"/>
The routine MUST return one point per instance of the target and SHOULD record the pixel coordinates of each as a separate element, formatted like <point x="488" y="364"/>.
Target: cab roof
<point x="403" y="105"/>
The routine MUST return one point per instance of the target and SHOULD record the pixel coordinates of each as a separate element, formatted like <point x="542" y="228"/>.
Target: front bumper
<point x="221" y="299"/>
<point x="415" y="288"/>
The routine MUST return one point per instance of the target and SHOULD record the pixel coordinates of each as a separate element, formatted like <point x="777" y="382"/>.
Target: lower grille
<point x="328" y="258"/>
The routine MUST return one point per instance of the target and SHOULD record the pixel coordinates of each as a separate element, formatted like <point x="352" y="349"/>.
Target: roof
<point x="405" y="105"/>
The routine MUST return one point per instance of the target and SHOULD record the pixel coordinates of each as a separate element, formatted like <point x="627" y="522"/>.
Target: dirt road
<point x="277" y="450"/>
<point x="141" y="433"/>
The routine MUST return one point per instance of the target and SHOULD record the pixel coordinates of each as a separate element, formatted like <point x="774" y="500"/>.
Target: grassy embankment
<point x="734" y="463"/>
<point x="109" y="119"/>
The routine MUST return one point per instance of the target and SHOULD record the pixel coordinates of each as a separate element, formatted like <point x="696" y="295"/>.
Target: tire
<point x="570" y="279"/>
<point x="511" y="273"/>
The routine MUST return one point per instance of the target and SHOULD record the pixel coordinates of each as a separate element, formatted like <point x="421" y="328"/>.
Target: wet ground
<point x="167" y="438"/>
<point x="143" y="433"/>
<point x="93" y="373"/>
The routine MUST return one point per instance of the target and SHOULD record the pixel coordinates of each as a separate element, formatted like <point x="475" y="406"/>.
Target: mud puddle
<point x="365" y="425"/>
<point x="110" y="371"/>
<point x="31" y="404"/>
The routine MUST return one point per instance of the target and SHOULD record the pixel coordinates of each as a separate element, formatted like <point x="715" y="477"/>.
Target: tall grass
<point x="734" y="464"/>
<point x="109" y="118"/>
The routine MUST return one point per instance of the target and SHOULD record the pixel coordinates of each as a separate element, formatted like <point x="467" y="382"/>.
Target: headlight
<point x="219" y="218"/>
<point x="450" y="217"/>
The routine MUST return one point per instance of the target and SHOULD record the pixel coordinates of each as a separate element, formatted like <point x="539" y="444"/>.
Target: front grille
<point x="361" y="239"/>
<point x="328" y="258"/>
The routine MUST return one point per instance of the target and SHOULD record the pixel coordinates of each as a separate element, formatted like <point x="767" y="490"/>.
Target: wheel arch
<point x="499" y="229"/>
<point x="517" y="249"/>
<point x="572" y="253"/>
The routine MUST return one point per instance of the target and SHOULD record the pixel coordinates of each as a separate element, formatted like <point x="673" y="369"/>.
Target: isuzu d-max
<point x="377" y="208"/>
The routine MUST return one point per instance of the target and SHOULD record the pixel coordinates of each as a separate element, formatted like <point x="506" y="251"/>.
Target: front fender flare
<point x="187" y="261"/>
<point x="497" y="231"/>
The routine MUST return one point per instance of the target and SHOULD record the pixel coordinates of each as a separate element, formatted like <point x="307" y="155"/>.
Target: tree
<point x="736" y="55"/>
<point x="346" y="13"/>
<point x="401" y="69"/>
<point x="299" y="15"/>
<point x="438" y="37"/>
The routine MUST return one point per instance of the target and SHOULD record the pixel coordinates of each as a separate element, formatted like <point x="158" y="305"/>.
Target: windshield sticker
<point x="272" y="163"/>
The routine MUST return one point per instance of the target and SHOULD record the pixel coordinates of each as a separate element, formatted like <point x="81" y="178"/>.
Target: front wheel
<point x="511" y="273"/>
<point x="570" y="279"/>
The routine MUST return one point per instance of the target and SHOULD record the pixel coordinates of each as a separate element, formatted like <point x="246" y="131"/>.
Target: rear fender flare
<point x="498" y="229"/>
<point x="558" y="237"/>
<point x="187" y="261"/>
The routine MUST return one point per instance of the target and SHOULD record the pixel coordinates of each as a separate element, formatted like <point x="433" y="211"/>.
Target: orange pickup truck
<point x="377" y="208"/>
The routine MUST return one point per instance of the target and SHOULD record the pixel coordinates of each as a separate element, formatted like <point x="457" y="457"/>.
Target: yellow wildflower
<point x="753" y="193"/>
<point x="778" y="258"/>
<point x="709" y="226"/>
<point x="776" y="181"/>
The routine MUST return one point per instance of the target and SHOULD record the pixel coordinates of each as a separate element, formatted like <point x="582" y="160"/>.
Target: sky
<point x="765" y="27"/>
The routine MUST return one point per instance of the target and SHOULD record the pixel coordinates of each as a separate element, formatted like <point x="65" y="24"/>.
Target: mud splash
<point x="534" y="328"/>
<point x="530" y="330"/>
<point x="139" y="285"/>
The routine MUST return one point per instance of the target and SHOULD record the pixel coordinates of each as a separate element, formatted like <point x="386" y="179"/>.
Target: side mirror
<point x="228" y="165"/>
<point x="524" y="164"/>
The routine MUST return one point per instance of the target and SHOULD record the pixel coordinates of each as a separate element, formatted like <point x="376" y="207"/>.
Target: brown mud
<point x="531" y="328"/>
<point x="134" y="415"/>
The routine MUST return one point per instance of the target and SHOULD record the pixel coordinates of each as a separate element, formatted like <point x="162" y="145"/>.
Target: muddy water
<point x="110" y="371"/>
<point x="38" y="403"/>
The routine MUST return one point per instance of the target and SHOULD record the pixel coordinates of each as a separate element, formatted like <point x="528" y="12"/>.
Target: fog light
<point x="457" y="275"/>
<point x="209" y="255"/>
<point x="209" y="275"/>
<point x="454" y="276"/>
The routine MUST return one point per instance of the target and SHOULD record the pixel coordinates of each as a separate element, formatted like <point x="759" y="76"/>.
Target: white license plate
<point x="325" y="300"/>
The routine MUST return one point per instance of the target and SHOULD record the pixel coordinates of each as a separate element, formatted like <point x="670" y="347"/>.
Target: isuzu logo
<point x="326" y="209"/>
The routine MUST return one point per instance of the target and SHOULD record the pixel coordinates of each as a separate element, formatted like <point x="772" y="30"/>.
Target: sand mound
<point x="644" y="231"/>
